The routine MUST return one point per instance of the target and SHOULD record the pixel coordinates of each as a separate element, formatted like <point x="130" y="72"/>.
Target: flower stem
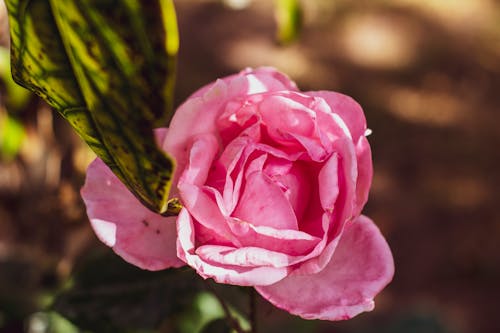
<point x="253" y="310"/>
<point x="233" y="322"/>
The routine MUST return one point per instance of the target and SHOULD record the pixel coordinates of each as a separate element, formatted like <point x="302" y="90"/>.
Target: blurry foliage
<point x="217" y="326"/>
<point x="16" y="97"/>
<point x="50" y="322"/>
<point x="288" y="19"/>
<point x="106" y="294"/>
<point x="288" y="15"/>
<point x="109" y="295"/>
<point x="203" y="310"/>
<point x="12" y="99"/>
<point x="11" y="136"/>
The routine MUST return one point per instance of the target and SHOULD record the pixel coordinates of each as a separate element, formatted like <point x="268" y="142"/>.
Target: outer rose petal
<point x="361" y="266"/>
<point x="365" y="174"/>
<point x="199" y="113"/>
<point x="230" y="274"/>
<point x="139" y="236"/>
<point x="252" y="81"/>
<point x="347" y="108"/>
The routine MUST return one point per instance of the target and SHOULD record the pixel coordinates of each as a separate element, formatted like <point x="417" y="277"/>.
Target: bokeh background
<point x="427" y="73"/>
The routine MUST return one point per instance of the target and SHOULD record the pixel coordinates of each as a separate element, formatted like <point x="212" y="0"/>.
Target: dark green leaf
<point x="108" y="67"/>
<point x="217" y="326"/>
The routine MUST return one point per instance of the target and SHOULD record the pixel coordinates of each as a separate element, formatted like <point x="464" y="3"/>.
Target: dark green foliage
<point x="217" y="326"/>
<point x="110" y="295"/>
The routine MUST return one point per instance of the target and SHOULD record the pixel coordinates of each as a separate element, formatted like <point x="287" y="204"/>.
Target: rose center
<point x="292" y="179"/>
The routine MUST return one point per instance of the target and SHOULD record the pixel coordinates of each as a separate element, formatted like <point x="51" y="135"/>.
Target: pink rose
<point x="273" y="181"/>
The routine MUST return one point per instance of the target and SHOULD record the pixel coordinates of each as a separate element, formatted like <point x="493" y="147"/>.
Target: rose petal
<point x="360" y="268"/>
<point x="365" y="174"/>
<point x="239" y="118"/>
<point x="292" y="242"/>
<point x="332" y="129"/>
<point x="343" y="203"/>
<point x="252" y="81"/>
<point x="198" y="115"/>
<point x="263" y="203"/>
<point x="283" y="116"/>
<point x="244" y="257"/>
<point x="234" y="158"/>
<point x="201" y="155"/>
<point x="294" y="181"/>
<point x="272" y="79"/>
<point x="348" y="110"/>
<point x="315" y="150"/>
<point x="160" y="134"/>
<point x="138" y="235"/>
<point x="328" y="183"/>
<point x="188" y="122"/>
<point x="206" y="206"/>
<point x="347" y="177"/>
<point x="194" y="118"/>
<point x="243" y="276"/>
<point x="320" y="255"/>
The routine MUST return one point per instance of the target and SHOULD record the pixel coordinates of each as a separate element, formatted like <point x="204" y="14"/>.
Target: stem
<point x="253" y="310"/>
<point x="231" y="320"/>
<point x="173" y="208"/>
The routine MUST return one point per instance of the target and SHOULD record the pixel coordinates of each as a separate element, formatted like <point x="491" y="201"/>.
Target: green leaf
<point x="204" y="308"/>
<point x="207" y="307"/>
<point x="217" y="326"/>
<point x="289" y="20"/>
<point x="108" y="67"/>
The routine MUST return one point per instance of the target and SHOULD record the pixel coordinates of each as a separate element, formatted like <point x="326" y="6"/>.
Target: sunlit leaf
<point x="108" y="67"/>
<point x="289" y="20"/>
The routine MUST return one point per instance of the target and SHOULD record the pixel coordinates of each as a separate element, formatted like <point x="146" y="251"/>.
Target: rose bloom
<point x="272" y="182"/>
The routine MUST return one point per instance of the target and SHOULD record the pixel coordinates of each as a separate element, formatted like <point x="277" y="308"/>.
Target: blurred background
<point x="427" y="74"/>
